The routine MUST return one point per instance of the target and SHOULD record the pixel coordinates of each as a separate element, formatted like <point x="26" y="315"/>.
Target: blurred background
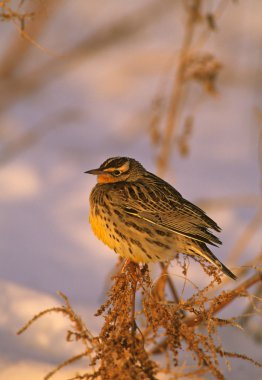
<point x="81" y="81"/>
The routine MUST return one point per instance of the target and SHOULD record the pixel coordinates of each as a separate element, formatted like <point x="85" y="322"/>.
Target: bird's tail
<point x="205" y="252"/>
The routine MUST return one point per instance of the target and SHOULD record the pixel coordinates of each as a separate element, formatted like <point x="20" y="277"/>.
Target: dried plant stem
<point x="176" y="101"/>
<point x="241" y="271"/>
<point x="133" y="315"/>
<point x="233" y="294"/>
<point x="170" y="283"/>
<point x="194" y="321"/>
<point x="171" y="286"/>
<point x="177" y="96"/>
<point x="133" y="311"/>
<point x="117" y="353"/>
<point x="39" y="315"/>
<point x="239" y="356"/>
<point x="206" y="33"/>
<point x="250" y="307"/>
<point x="64" y="364"/>
<point x="18" y="47"/>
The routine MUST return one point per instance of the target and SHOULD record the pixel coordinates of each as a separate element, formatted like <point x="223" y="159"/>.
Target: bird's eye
<point x="116" y="173"/>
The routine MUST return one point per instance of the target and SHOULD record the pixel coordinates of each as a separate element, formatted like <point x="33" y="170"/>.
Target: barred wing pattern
<point x="162" y="205"/>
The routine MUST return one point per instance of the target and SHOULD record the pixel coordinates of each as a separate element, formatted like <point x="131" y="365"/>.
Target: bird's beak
<point x="95" y="171"/>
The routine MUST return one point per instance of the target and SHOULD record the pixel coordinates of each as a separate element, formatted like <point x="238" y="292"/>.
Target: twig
<point x="39" y="315"/>
<point x="170" y="283"/>
<point x="239" y="356"/>
<point x="64" y="364"/>
<point x="133" y="311"/>
<point x="176" y="101"/>
<point x="195" y="321"/>
<point x="241" y="271"/>
<point x="174" y="106"/>
<point x="18" y="47"/>
<point x="177" y="96"/>
<point x="203" y="38"/>
<point x="171" y="286"/>
<point x="234" y="293"/>
<point x="247" y="313"/>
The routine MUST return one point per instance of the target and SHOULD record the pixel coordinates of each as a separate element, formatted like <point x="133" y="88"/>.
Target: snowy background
<point x="87" y="103"/>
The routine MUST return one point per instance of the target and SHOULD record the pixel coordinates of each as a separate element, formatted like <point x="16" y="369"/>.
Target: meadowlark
<point x="143" y="218"/>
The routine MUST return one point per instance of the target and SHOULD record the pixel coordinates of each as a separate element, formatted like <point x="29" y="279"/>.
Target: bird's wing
<point x="166" y="208"/>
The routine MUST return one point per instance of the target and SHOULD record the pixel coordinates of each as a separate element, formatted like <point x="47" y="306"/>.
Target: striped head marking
<point x="117" y="169"/>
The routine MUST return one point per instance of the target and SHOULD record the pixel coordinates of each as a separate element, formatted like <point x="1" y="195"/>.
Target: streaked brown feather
<point x="162" y="205"/>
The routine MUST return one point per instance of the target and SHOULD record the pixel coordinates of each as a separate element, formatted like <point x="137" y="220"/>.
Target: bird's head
<point x="118" y="169"/>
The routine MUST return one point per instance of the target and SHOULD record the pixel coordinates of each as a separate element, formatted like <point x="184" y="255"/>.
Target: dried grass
<point x="129" y="339"/>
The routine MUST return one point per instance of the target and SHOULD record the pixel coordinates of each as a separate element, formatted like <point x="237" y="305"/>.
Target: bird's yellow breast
<point x="101" y="230"/>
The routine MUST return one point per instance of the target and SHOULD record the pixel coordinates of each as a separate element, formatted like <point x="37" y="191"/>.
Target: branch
<point x="195" y="321"/>
<point x="177" y="96"/>
<point x="18" y="47"/>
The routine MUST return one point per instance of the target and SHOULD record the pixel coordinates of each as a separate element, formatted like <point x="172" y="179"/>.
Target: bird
<point x="145" y="219"/>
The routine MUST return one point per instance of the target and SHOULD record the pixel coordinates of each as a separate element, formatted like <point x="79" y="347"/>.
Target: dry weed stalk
<point x="8" y="13"/>
<point x="177" y="95"/>
<point x="128" y="341"/>
<point x="29" y="26"/>
<point x="192" y="65"/>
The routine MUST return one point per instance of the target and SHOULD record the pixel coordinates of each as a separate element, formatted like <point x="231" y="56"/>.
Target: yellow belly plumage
<point x="126" y="242"/>
<point x="101" y="231"/>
